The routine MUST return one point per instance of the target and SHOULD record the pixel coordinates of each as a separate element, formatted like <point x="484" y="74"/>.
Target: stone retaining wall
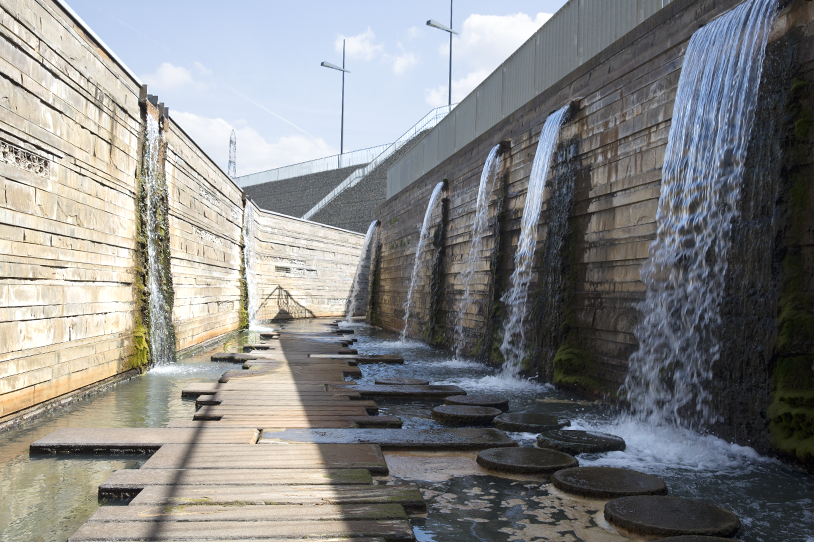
<point x="613" y="148"/>
<point x="70" y="131"/>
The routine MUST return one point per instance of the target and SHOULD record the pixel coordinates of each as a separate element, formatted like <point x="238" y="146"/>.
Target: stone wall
<point x="296" y="196"/>
<point x="305" y="270"/>
<point x="613" y="149"/>
<point x="71" y="253"/>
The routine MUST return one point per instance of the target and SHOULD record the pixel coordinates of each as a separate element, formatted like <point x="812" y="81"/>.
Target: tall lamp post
<point x="342" y="122"/>
<point x="439" y="26"/>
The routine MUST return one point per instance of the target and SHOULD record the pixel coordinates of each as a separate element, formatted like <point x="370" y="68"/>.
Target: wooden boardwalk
<point x="209" y="479"/>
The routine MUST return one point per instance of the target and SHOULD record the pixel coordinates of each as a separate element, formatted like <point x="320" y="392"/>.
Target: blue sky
<point x="254" y="66"/>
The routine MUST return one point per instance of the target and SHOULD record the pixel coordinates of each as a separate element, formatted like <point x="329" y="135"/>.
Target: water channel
<point x="48" y="497"/>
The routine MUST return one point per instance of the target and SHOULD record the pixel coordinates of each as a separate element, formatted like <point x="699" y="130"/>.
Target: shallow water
<point x="48" y="497"/>
<point x="774" y="501"/>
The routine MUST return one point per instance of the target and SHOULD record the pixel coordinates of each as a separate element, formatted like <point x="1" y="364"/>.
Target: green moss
<point x="576" y="369"/>
<point x="140" y="357"/>
<point x="243" y="312"/>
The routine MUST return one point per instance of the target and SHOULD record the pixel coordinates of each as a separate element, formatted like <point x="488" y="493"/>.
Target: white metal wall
<point x="580" y="30"/>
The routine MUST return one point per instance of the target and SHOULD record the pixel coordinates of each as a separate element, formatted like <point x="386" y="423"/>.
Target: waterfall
<point x="514" y="333"/>
<point x="364" y="257"/>
<point x="248" y="260"/>
<point x="479" y="230"/>
<point x="701" y="183"/>
<point x="162" y="347"/>
<point x="422" y="238"/>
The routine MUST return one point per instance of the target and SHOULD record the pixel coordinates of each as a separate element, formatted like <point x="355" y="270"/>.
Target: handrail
<point x="337" y="161"/>
<point x="429" y="121"/>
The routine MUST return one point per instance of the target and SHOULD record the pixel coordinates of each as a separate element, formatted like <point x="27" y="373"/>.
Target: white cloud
<point x="360" y="45"/>
<point x="203" y="70"/>
<point x="414" y="32"/>
<point x="364" y="47"/>
<point x="486" y="41"/>
<point x="169" y="77"/>
<point x="254" y="153"/>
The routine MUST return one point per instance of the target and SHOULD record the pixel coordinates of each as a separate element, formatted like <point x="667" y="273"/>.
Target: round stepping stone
<point x="464" y="414"/>
<point x="401" y="382"/>
<point x="670" y="516"/>
<point x="528" y="423"/>
<point x="580" y="442"/>
<point x="607" y="482"/>
<point x="693" y="538"/>
<point x="525" y="460"/>
<point x="494" y="401"/>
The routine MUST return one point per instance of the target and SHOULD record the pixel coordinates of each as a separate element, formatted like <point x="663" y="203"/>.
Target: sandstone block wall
<point x="70" y="131"/>
<point x="304" y="269"/>
<point x="613" y="147"/>
<point x="69" y="125"/>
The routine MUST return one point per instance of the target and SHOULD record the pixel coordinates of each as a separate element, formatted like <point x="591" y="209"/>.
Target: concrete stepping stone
<point x="580" y="442"/>
<point x="651" y="515"/>
<point x="348" y="351"/>
<point x="525" y="460"/>
<point x="232" y="357"/>
<point x="411" y="392"/>
<point x="129" y="482"/>
<point x="607" y="482"/>
<point x="406" y="495"/>
<point x="251" y="456"/>
<point x="693" y="538"/>
<point x="464" y="414"/>
<point x="494" y="401"/>
<point x="381" y="358"/>
<point x="398" y="439"/>
<point x="135" y="440"/>
<point x="401" y="382"/>
<point x="269" y="335"/>
<point x="527" y="422"/>
<point x="391" y="531"/>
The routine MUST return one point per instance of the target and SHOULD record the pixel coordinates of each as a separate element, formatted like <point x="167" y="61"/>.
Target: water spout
<point x="701" y="183"/>
<point x="515" y="299"/>
<point x="162" y="347"/>
<point x="479" y="230"/>
<point x="422" y="238"/>
<point x="354" y="301"/>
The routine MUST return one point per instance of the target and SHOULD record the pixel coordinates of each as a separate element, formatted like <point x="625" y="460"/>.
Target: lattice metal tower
<point x="232" y="156"/>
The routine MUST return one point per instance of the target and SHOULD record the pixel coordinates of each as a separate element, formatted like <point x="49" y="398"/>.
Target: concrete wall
<point x="70" y="150"/>
<point x="304" y="269"/>
<point x="614" y="148"/>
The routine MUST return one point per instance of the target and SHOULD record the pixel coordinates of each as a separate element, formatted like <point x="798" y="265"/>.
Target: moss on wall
<point x="243" y="315"/>
<point x="372" y="317"/>
<point x="435" y="332"/>
<point x="488" y="345"/>
<point x="791" y="412"/>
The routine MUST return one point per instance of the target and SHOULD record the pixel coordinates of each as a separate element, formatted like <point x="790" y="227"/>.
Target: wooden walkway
<point x="209" y="479"/>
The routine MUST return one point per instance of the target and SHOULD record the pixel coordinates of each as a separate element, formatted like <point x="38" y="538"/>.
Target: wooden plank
<point x="102" y="439"/>
<point x="246" y="512"/>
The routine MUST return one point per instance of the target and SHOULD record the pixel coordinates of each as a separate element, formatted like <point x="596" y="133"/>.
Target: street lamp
<point x="344" y="71"/>
<point x="439" y="26"/>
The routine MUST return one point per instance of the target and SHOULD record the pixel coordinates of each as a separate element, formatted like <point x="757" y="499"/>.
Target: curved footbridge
<point x="283" y="447"/>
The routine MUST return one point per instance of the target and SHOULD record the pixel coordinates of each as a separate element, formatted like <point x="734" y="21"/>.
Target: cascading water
<point x="248" y="259"/>
<point x="422" y="238"/>
<point x="514" y="334"/>
<point x="701" y="183"/>
<point x="354" y="303"/>
<point x="479" y="230"/>
<point x="162" y="347"/>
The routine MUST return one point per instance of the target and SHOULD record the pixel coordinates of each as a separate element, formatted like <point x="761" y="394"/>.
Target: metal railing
<point x="337" y="161"/>
<point x="428" y="122"/>
<point x="576" y="33"/>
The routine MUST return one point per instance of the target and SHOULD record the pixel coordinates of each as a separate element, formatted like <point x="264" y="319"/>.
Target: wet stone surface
<point x="607" y="482"/>
<point x="464" y="415"/>
<point x="670" y="516"/>
<point x="494" y="401"/>
<point x="694" y="538"/>
<point x="528" y="422"/>
<point x="525" y="460"/>
<point x="580" y="442"/>
<point x="401" y="382"/>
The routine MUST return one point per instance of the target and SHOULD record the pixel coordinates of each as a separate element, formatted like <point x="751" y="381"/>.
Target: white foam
<point x="179" y="369"/>
<point x="493" y="383"/>
<point x="656" y="448"/>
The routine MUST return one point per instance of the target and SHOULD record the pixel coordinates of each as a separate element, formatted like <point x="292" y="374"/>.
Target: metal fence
<point x="338" y="161"/>
<point x="576" y="33"/>
<point x="428" y="122"/>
